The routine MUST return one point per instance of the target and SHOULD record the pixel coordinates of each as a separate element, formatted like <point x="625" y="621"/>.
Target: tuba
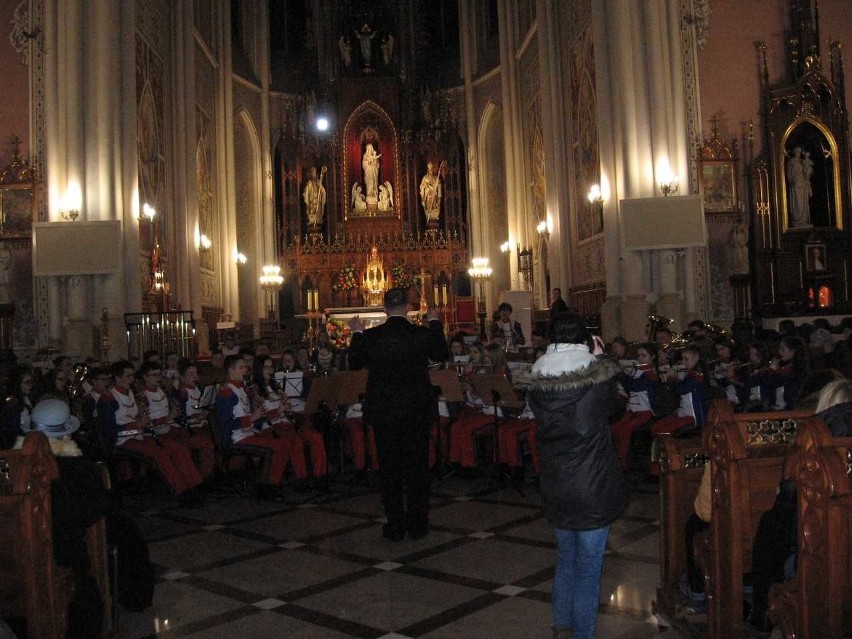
<point x="657" y="323"/>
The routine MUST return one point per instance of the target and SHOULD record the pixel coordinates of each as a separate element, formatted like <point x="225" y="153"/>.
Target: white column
<point x="640" y="92"/>
<point x="468" y="54"/>
<point x="556" y="127"/>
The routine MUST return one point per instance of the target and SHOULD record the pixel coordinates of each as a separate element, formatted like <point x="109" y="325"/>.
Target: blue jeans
<point x="577" y="584"/>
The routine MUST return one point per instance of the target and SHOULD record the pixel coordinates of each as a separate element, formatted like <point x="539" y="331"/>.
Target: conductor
<point x="399" y="404"/>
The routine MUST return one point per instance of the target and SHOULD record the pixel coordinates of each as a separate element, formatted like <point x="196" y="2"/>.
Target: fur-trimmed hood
<point x="597" y="372"/>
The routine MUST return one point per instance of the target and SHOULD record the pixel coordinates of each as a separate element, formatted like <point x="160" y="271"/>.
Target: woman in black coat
<point x="582" y="485"/>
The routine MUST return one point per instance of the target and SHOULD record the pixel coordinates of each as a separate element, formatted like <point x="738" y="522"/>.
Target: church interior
<point x="175" y="174"/>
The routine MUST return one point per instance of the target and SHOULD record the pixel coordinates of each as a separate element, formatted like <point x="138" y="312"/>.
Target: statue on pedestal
<point x="314" y="196"/>
<point x="430" y="192"/>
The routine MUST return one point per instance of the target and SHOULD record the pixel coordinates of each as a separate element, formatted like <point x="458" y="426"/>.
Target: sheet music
<point x="208" y="396"/>
<point x="293" y="384"/>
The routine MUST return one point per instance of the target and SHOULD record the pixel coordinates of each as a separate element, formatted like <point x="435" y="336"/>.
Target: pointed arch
<point x="492" y="228"/>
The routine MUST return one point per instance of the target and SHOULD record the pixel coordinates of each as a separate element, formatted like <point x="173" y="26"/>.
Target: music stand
<point x="352" y="386"/>
<point x="496" y="391"/>
<point x="449" y="390"/>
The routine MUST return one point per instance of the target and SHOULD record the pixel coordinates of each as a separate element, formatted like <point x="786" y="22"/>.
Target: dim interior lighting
<point x="204" y="243"/>
<point x="322" y="124"/>
<point x="239" y="258"/>
<point x="542" y="228"/>
<point x="271" y="277"/>
<point x="506" y="247"/>
<point x="595" y="196"/>
<point x="148" y="212"/>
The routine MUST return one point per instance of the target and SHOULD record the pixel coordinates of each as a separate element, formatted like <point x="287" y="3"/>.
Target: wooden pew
<point x="748" y="451"/>
<point x="32" y="585"/>
<point x="682" y="463"/>
<point x="817" y="602"/>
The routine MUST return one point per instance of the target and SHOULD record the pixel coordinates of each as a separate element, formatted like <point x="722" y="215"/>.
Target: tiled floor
<point x="318" y="567"/>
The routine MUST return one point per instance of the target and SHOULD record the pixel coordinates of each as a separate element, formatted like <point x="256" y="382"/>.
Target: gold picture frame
<point x="718" y="186"/>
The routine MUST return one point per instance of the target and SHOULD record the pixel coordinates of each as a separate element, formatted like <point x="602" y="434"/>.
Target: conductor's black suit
<point x="400" y="404"/>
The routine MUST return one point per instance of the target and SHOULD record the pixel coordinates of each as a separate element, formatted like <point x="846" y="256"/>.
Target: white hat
<point x="53" y="418"/>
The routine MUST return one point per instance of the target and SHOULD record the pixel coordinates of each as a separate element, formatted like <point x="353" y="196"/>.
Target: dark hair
<point x="117" y="369"/>
<point x="762" y="350"/>
<point x="796" y="345"/>
<point x="696" y="324"/>
<point x="651" y="347"/>
<point x="59" y="359"/>
<point x="18" y="373"/>
<point x="231" y="361"/>
<point x="185" y="365"/>
<point x="257" y="375"/>
<point x="568" y="328"/>
<point x="821" y="322"/>
<point x="700" y="365"/>
<point x="147" y="368"/>
<point x="787" y="326"/>
<point x="395" y="298"/>
<point x="505" y="306"/>
<point x="246" y="351"/>
<point x="147" y="355"/>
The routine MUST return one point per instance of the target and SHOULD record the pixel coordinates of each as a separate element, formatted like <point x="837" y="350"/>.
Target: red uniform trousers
<point x="667" y="425"/>
<point x="623" y="429"/>
<point x="355" y="425"/>
<point x="276" y="451"/>
<point x="439" y="435"/>
<point x="172" y="459"/>
<point x="200" y="442"/>
<point x="461" y="437"/>
<point x="309" y="438"/>
<point x="510" y="435"/>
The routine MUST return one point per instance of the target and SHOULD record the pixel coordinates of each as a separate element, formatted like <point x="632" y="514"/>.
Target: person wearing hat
<point x="400" y="404"/>
<point x="52" y="417"/>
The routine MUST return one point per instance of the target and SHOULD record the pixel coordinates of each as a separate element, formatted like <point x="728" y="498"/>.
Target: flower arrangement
<point x="339" y="333"/>
<point x="346" y="279"/>
<point x="402" y="277"/>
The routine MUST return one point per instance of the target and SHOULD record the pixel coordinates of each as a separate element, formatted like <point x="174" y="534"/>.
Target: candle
<point x="316" y="299"/>
<point x="444" y="292"/>
<point x="310" y="301"/>
<point x="436" y="295"/>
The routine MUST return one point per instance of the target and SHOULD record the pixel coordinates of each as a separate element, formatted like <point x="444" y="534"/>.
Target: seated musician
<point x="512" y="433"/>
<point x="757" y="384"/>
<point x="171" y="371"/>
<point x="299" y="436"/>
<point x="639" y="385"/>
<point x="240" y="424"/>
<point x="15" y="414"/>
<point x="355" y="427"/>
<point x="725" y="374"/>
<point x="475" y="418"/>
<point x="191" y="424"/>
<point x="788" y="373"/>
<point x="692" y="394"/>
<point x="123" y="427"/>
<point x="618" y="349"/>
<point x="507" y="331"/>
<point x="99" y="379"/>
<point x="325" y="361"/>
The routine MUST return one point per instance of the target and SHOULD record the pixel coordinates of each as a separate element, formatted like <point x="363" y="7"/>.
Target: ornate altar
<point x="372" y="229"/>
<point x="801" y="183"/>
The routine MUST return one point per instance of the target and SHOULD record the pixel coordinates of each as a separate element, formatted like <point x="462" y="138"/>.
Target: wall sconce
<point x="506" y="247"/>
<point x="525" y="263"/>
<point x="669" y="186"/>
<point x="70" y="203"/>
<point x="148" y="212"/>
<point x="239" y="258"/>
<point x="204" y="243"/>
<point x="542" y="229"/>
<point x="595" y="196"/>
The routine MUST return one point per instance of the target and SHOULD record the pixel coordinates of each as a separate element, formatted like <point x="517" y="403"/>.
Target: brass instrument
<point x="75" y="388"/>
<point x="656" y="323"/>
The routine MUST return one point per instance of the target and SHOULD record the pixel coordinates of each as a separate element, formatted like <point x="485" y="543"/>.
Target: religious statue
<point x="370" y="163"/>
<point x="430" y="192"/>
<point x="739" y="240"/>
<point x="375" y="282"/>
<point x="386" y="197"/>
<point x="359" y="202"/>
<point x="345" y="51"/>
<point x="365" y="39"/>
<point x="314" y="196"/>
<point x="799" y="171"/>
<point x="387" y="49"/>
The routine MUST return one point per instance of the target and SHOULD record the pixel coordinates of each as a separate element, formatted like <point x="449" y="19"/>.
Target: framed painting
<point x="719" y="186"/>
<point x="816" y="257"/>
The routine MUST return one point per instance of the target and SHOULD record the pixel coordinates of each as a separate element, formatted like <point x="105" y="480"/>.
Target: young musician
<point x="692" y="391"/>
<point x="193" y="430"/>
<point x="725" y="371"/>
<point x="240" y="426"/>
<point x="275" y="404"/>
<point x="788" y="373"/>
<point x="758" y="384"/>
<point x="639" y="385"/>
<point x="124" y="427"/>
